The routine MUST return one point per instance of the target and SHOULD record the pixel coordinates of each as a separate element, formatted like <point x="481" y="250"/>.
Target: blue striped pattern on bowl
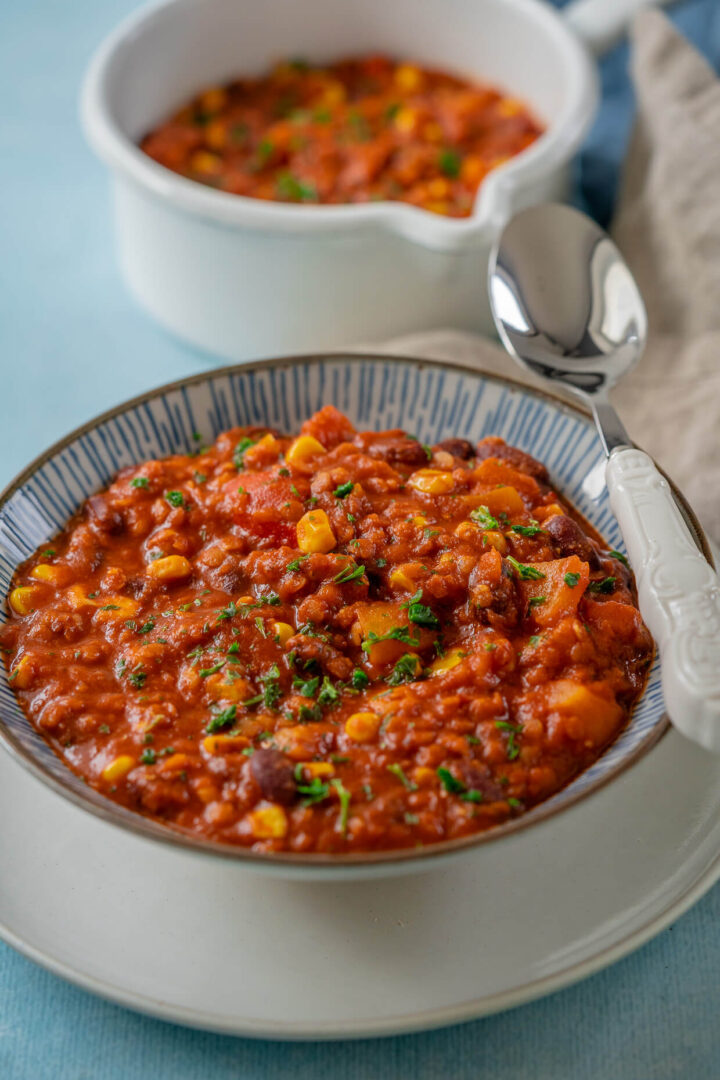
<point x="431" y="401"/>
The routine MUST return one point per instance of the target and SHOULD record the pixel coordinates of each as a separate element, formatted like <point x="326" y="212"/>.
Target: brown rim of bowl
<point x="151" y="829"/>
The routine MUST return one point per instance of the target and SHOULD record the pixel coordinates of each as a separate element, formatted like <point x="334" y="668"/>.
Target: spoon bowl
<point x="567" y="307"/>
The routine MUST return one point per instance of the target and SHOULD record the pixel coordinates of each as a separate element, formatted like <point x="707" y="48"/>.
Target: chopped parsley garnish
<point x="404" y="671"/>
<point x="515" y="803"/>
<point x="524" y="571"/>
<point x="381" y="563"/>
<point x="204" y="672"/>
<point x="233" y="649"/>
<point x="175" y="498"/>
<point x="104" y="729"/>
<point x="359" y="679"/>
<point x="453" y="786"/>
<point x="290" y="187"/>
<point x="286" y="472"/>
<point x="526" y="530"/>
<point x="140" y="482"/>
<point x="419" y="613"/>
<point x="147" y="627"/>
<point x="351" y="572"/>
<point x="535" y="640"/>
<point x="307" y="715"/>
<point x="239" y="452"/>
<point x="344" y="796"/>
<point x="571" y="580"/>
<point x="247" y="704"/>
<point x="536" y="601"/>
<point x="148" y="757"/>
<point x="308" y="688"/>
<point x="110" y="607"/>
<point x="328" y="694"/>
<point x="398" y="633"/>
<point x="221" y="718"/>
<point x="199" y="477"/>
<point x="228" y="612"/>
<point x="271" y="687"/>
<point x="313" y="792"/>
<point x="607" y="585"/>
<point x="449" y="162"/>
<point x="260" y="626"/>
<point x="49" y="552"/>
<point x="137" y="677"/>
<point x="344" y="489"/>
<point x="482" y="516"/>
<point x="513" y="730"/>
<point x="615" y="554"/>
<point x="397" y="770"/>
<point x="295" y="564"/>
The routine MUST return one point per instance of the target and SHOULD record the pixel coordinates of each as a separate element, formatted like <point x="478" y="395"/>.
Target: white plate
<point x="209" y="943"/>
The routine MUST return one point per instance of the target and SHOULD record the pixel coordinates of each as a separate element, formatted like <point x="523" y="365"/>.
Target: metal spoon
<point x="567" y="308"/>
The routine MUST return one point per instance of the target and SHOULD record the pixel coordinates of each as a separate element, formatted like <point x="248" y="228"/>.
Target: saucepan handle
<point x="602" y="23"/>
<point x="678" y="590"/>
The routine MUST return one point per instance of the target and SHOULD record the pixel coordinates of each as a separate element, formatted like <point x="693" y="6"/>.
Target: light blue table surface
<point x="71" y="344"/>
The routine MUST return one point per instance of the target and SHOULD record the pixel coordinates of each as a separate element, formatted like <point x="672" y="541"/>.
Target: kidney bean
<point x="459" y="448"/>
<point x="103" y="517"/>
<point x="569" y="539"/>
<point x="273" y="773"/>
<point x="396" y="450"/>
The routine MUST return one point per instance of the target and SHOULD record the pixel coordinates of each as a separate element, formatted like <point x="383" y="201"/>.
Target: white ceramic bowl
<point x="432" y="400"/>
<point x="243" y="277"/>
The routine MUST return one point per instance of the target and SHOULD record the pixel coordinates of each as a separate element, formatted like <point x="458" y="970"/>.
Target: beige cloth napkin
<point x="668" y="227"/>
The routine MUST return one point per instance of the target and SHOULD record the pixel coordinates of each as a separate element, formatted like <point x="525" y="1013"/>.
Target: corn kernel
<point x="214" y="99"/>
<point x="176" y="762"/>
<point x="406" y="120"/>
<point x="225" y="744"/>
<point x="24" y="598"/>
<point x="206" y="163"/>
<point x="77" y="597"/>
<point x="431" y="481"/>
<point x="284" y="631"/>
<point x="169" y="568"/>
<point x="314" y="533"/>
<point x="451" y="659"/>
<point x="216" y="134"/>
<point x="318" y="768"/>
<point x="118" y="768"/>
<point x="54" y="575"/>
<point x="423" y="775"/>
<point x="362" y="726"/>
<point x="400" y="579"/>
<point x="22" y="674"/>
<point x="438" y="188"/>
<point x="408" y="78"/>
<point x="303" y="450"/>
<point x="269" y="822"/>
<point x="433" y="132"/>
<point x="495" y="539"/>
<point x="420" y="520"/>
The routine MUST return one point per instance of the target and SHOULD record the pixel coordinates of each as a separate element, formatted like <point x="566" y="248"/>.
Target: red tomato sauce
<point x="343" y="642"/>
<point x="353" y="132"/>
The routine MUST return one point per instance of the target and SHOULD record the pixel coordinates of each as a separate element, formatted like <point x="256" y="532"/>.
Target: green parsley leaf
<point x="482" y="516"/>
<point x="351" y="572"/>
<point x="344" y="795"/>
<point x="449" y="162"/>
<point x="148" y="757"/>
<point x="448" y="781"/>
<point x="307" y="688"/>
<point x="239" y="452"/>
<point x="524" y="571"/>
<point x="571" y="580"/>
<point x="290" y="187"/>
<point x="140" y="482"/>
<point x="397" y="770"/>
<point x="295" y="564"/>
<point x="615" y="554"/>
<point x="175" y="498"/>
<point x="222" y="718"/>
<point x="344" y="489"/>
<point x="204" y="672"/>
<point x="313" y="792"/>
<point x="606" y="586"/>
<point x="147" y="627"/>
<point x="359" y="679"/>
<point x="110" y="607"/>
<point x="404" y="671"/>
<point x="328" y="694"/>
<point x="526" y="530"/>
<point x="513" y="730"/>
<point x="398" y="633"/>
<point x="137" y="677"/>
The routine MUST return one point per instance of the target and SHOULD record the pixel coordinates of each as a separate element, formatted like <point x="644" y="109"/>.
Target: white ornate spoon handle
<point x="679" y="593"/>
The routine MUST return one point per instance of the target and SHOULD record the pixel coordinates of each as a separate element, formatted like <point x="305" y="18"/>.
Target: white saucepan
<point x="242" y="277"/>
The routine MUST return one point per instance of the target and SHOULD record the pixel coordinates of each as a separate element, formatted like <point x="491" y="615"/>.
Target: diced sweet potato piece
<point x="584" y="714"/>
<point x="613" y="619"/>
<point x="492" y="472"/>
<point x="563" y="583"/>
<point x="382" y="618"/>
<point x="499" y="500"/>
